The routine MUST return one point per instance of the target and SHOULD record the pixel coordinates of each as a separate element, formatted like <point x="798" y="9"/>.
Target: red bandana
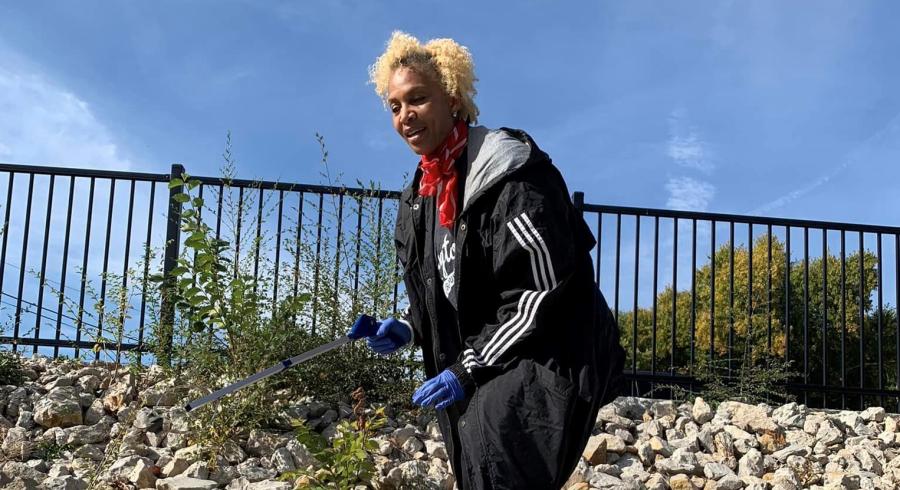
<point x="438" y="168"/>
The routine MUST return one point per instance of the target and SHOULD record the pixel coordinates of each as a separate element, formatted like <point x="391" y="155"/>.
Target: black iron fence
<point x="688" y="289"/>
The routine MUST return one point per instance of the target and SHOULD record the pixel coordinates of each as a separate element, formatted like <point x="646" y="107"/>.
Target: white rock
<point x="185" y="483"/>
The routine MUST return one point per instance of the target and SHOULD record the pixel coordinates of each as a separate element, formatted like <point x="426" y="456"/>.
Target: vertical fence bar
<point x="337" y="252"/>
<point x="730" y="298"/>
<point x="237" y="232"/>
<point x="257" y="245"/>
<point x="655" y="278"/>
<point x="121" y="325"/>
<point x="805" y="312"/>
<point x="277" y="251"/>
<point x="787" y="293"/>
<point x="634" y="310"/>
<point x="42" y="279"/>
<point x="618" y="262"/>
<point x="769" y="288"/>
<point x="879" y="321"/>
<point x="712" y="292"/>
<point x="843" y="321"/>
<point x="170" y="260"/>
<point x="9" y="191"/>
<point x="24" y="257"/>
<point x="599" y="246"/>
<point x="748" y="336"/>
<point x="359" y="214"/>
<point x="65" y="263"/>
<point x="693" y="292"/>
<point x="84" y="264"/>
<point x="862" y="323"/>
<point x="146" y="270"/>
<point x="112" y="194"/>
<point x="824" y="316"/>
<point x="377" y="296"/>
<point x="674" y="293"/>
<point x="318" y="261"/>
<point x="897" y="309"/>
<point x="299" y="233"/>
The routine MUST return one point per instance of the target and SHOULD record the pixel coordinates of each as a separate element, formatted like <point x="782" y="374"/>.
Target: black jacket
<point x="534" y="342"/>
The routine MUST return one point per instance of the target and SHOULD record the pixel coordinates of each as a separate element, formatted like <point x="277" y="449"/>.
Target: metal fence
<point x="697" y="289"/>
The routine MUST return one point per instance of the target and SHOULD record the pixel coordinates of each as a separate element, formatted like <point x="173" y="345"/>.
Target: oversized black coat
<point x="534" y="341"/>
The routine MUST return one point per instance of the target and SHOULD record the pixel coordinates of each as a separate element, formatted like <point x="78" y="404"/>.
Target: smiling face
<point x="422" y="113"/>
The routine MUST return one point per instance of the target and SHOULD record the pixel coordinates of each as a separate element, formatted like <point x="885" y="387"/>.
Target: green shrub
<point x="347" y="461"/>
<point x="10" y="368"/>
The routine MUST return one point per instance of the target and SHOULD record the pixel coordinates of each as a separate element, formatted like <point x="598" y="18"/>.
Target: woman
<point x="519" y="346"/>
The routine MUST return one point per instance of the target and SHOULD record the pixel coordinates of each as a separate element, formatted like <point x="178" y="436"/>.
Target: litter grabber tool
<point x="365" y="326"/>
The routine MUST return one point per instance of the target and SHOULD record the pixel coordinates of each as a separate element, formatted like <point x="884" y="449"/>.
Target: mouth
<point x="414" y="135"/>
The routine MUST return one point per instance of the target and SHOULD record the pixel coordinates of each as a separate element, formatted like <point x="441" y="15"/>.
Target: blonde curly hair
<point x="444" y="60"/>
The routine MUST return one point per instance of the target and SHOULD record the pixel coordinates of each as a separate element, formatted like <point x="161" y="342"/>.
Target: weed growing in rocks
<point x="10" y="368"/>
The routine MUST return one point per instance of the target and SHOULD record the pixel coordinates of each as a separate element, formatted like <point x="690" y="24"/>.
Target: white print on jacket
<point x="446" y="257"/>
<point x="544" y="279"/>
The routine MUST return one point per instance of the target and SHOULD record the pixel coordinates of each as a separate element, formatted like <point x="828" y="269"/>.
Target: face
<point x="422" y="113"/>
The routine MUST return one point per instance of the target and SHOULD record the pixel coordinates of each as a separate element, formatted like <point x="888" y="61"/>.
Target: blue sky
<point x="785" y="109"/>
<point x="772" y="108"/>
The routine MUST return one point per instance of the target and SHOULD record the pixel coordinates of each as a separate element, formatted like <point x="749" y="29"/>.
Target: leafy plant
<point x="10" y="368"/>
<point x="347" y="461"/>
<point x="50" y="450"/>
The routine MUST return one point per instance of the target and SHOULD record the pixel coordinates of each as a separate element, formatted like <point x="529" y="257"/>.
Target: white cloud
<point x="686" y="145"/>
<point x="45" y="124"/>
<point x="688" y="194"/>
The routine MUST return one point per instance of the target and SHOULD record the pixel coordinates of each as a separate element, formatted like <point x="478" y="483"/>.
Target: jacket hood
<point x="493" y="155"/>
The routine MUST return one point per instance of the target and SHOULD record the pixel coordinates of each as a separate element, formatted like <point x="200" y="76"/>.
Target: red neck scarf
<point x="438" y="168"/>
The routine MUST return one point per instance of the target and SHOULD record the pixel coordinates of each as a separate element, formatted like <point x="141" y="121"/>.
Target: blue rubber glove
<point x="439" y="391"/>
<point x="382" y="337"/>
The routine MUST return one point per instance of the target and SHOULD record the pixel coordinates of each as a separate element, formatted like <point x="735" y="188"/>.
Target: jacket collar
<point x="492" y="156"/>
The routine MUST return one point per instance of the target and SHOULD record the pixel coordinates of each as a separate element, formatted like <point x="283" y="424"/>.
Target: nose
<point x="406" y="115"/>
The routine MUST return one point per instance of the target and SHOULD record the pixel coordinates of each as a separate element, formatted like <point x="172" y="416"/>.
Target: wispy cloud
<point x="686" y="145"/>
<point x="889" y="133"/>
<point x="689" y="194"/>
<point x="44" y="123"/>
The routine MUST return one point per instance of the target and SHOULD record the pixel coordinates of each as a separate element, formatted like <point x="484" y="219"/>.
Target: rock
<point x="873" y="414"/>
<point x="681" y="482"/>
<point x="751" y="464"/>
<point x="262" y="443"/>
<point x="436" y="450"/>
<point x="595" y="450"/>
<point x="302" y="457"/>
<point x="271" y="485"/>
<point x="66" y="482"/>
<point x="148" y="420"/>
<point x="60" y="407"/>
<point x="90" y="434"/>
<point x="143" y="474"/>
<point x="701" y="411"/>
<point x="162" y="394"/>
<point x="716" y="471"/>
<point x="282" y="460"/>
<point x="175" y="466"/>
<point x="730" y="482"/>
<point x="681" y="461"/>
<point x="120" y="392"/>
<point x="16" y="445"/>
<point x="185" y="483"/>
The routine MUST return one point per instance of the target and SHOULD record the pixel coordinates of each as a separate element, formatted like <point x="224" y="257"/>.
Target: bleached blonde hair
<point x="443" y="60"/>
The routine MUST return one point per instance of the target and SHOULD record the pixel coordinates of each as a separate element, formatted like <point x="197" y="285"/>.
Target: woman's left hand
<point x="439" y="391"/>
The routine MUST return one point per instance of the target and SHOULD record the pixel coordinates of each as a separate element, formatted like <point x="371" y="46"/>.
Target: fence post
<point x="578" y="201"/>
<point x="170" y="260"/>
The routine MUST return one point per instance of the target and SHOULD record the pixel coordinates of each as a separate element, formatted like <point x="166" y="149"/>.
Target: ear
<point x="455" y="105"/>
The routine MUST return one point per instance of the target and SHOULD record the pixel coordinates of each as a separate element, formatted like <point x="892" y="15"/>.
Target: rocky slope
<point x="70" y="422"/>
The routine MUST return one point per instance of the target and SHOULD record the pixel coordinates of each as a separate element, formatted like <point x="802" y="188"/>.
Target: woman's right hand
<point x="383" y="337"/>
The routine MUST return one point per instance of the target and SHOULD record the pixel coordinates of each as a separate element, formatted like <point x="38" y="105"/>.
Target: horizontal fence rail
<point x="694" y="294"/>
<point x="717" y="293"/>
